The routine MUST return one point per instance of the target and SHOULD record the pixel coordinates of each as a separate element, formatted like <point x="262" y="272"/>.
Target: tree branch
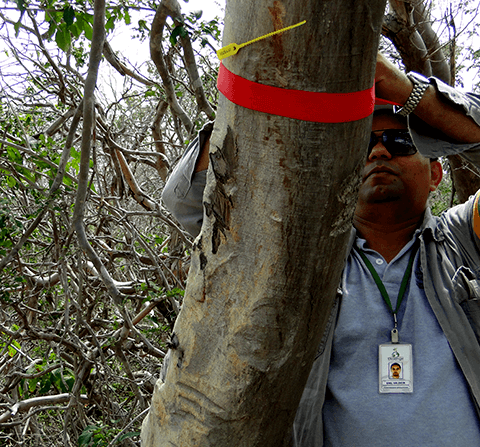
<point x="121" y="67"/>
<point x="156" y="52"/>
<point x="25" y="405"/>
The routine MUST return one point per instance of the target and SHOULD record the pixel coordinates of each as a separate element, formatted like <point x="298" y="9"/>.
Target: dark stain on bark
<point x="172" y="342"/>
<point x="203" y="261"/>
<point x="223" y="161"/>
<point x="277" y="12"/>
<point x="180" y="353"/>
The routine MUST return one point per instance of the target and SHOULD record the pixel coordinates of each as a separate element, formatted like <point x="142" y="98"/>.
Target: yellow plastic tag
<point x="233" y="48"/>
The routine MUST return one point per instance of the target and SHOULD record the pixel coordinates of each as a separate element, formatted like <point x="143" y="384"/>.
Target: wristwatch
<point x="420" y="85"/>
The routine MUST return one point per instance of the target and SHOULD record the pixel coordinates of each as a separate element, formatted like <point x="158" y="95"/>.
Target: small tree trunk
<point x="279" y="200"/>
<point x="465" y="176"/>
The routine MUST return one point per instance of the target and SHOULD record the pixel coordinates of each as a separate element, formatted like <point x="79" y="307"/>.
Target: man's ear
<point x="436" y="174"/>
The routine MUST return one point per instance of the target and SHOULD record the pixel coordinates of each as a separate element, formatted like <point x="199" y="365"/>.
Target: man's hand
<point x="203" y="157"/>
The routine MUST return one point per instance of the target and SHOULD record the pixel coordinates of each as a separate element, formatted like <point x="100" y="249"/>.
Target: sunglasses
<point x="398" y="142"/>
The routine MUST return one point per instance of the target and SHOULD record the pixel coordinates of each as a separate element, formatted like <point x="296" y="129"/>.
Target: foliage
<point x="64" y="340"/>
<point x="443" y="198"/>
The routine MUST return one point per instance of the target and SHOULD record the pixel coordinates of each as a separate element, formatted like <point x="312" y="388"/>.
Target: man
<point x="396" y="369"/>
<point x="410" y="281"/>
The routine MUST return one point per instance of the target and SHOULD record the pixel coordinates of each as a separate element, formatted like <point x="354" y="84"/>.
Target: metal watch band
<point x="419" y="89"/>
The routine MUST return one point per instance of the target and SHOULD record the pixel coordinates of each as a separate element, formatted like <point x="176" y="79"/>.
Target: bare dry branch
<point x="164" y="10"/>
<point x="26" y="405"/>
<point x="116" y="63"/>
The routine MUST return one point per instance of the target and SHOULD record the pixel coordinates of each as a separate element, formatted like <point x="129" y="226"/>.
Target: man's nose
<point x="379" y="151"/>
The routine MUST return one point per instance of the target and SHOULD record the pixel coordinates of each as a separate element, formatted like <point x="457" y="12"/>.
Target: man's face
<point x="396" y="371"/>
<point x="403" y="181"/>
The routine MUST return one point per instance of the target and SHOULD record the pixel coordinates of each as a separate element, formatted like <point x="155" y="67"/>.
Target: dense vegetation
<point x="78" y="362"/>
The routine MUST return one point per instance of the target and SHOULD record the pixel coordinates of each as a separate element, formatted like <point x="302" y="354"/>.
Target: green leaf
<point x="69" y="15"/>
<point x="75" y="30"/>
<point x="14" y="155"/>
<point x="16" y="27"/>
<point x="6" y="243"/>
<point x="75" y="154"/>
<point x="41" y="164"/>
<point x="127" y="17"/>
<point x="20" y="388"/>
<point x="179" y="30"/>
<point x="63" y="38"/>
<point x="88" y="30"/>
<point x="27" y="173"/>
<point x="11" y="181"/>
<point x="85" y="437"/>
<point x="51" y="29"/>
<point x="110" y="24"/>
<point x="32" y="385"/>
<point x="46" y="384"/>
<point x="128" y="435"/>
<point x="21" y="5"/>
<point x="84" y="22"/>
<point x="60" y="381"/>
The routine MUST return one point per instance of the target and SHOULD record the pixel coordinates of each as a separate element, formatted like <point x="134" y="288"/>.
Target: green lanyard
<point x="383" y="290"/>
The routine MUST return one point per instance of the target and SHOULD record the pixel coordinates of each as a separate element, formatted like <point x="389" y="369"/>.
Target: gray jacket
<point x="450" y="262"/>
<point x="183" y="191"/>
<point x="449" y="256"/>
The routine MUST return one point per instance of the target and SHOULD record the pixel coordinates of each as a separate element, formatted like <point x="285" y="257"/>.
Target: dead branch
<point x="161" y="163"/>
<point x="164" y="10"/>
<point x="116" y="63"/>
<point x="26" y="405"/>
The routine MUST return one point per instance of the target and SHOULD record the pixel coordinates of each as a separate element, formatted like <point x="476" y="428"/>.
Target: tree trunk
<point x="279" y="200"/>
<point x="465" y="176"/>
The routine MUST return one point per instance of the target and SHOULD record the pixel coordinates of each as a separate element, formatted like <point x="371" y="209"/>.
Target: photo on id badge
<point x="395" y="368"/>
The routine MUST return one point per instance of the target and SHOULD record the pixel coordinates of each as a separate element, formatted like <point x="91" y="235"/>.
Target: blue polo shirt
<point x="440" y="411"/>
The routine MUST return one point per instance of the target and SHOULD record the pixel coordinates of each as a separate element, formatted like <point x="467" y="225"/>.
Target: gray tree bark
<point x="279" y="200"/>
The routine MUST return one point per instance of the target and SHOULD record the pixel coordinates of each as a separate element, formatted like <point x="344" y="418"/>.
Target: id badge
<point x="395" y="368"/>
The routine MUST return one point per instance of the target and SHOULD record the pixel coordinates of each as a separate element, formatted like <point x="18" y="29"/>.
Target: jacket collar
<point x="428" y="228"/>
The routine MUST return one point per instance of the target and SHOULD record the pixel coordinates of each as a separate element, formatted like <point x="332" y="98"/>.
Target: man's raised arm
<point x="453" y="113"/>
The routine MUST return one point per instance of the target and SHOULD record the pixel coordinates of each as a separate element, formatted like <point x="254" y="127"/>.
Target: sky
<point x="212" y="8"/>
<point x="137" y="52"/>
<point x="131" y="50"/>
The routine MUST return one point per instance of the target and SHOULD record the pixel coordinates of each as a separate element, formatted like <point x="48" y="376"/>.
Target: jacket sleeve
<point x="183" y="192"/>
<point x="432" y="143"/>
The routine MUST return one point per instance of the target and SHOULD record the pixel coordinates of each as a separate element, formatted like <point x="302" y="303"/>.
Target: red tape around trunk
<point x="298" y="104"/>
